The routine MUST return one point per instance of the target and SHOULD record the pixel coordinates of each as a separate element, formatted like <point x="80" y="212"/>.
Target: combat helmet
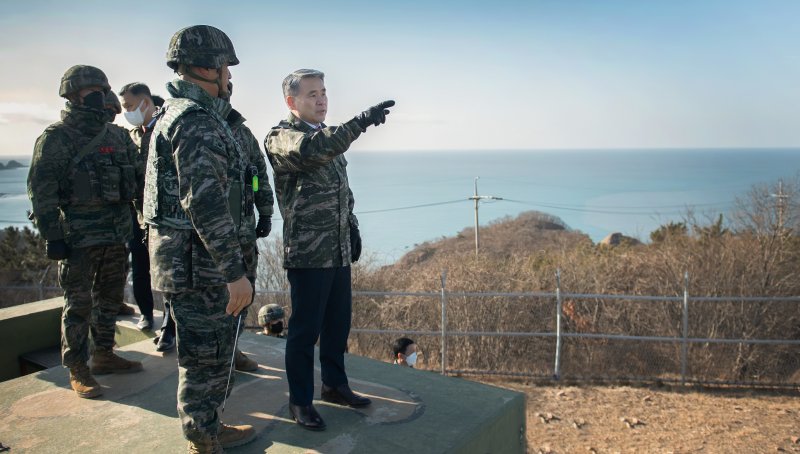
<point x="112" y="101"/>
<point x="269" y="313"/>
<point x="200" y="45"/>
<point x="82" y="76"/>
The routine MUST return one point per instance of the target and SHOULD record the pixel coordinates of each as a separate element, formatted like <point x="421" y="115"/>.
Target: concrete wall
<point x="33" y="326"/>
<point x="26" y="328"/>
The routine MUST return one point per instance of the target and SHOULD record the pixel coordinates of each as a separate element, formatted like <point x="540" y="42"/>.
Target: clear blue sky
<point x="465" y="74"/>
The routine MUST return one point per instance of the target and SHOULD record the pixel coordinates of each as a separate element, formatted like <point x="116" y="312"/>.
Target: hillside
<point x="753" y="253"/>
<point x="529" y="232"/>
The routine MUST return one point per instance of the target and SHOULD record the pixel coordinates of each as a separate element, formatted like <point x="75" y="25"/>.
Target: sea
<point x="403" y="199"/>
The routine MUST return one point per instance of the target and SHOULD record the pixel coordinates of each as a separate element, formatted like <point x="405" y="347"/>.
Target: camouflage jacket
<point x="313" y="192"/>
<point x="141" y="137"/>
<point x="86" y="203"/>
<point x="255" y="164"/>
<point x="194" y="168"/>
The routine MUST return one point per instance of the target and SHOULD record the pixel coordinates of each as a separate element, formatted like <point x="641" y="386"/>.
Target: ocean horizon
<point x="404" y="198"/>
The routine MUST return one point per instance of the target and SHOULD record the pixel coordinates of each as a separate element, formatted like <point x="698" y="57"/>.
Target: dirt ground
<point x="666" y="419"/>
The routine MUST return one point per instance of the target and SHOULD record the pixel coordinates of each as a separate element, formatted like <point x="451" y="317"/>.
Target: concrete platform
<point x="413" y="411"/>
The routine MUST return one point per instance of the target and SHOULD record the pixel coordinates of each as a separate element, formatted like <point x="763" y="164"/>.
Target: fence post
<point x="685" y="330"/>
<point x="557" y="369"/>
<point x="444" y="322"/>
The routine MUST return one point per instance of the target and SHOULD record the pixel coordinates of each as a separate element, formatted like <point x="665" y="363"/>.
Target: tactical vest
<point x="162" y="198"/>
<point x="101" y="175"/>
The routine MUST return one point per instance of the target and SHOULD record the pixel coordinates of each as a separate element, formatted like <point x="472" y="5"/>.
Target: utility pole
<point x="477" y="198"/>
<point x="781" y="205"/>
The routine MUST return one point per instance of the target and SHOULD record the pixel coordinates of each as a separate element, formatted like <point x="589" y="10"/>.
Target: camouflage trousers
<point x="250" y="255"/>
<point x="93" y="279"/>
<point x="205" y="339"/>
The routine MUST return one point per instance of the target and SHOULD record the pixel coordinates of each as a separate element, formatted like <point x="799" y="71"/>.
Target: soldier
<point x="81" y="183"/>
<point x="258" y="192"/>
<point x="139" y="109"/>
<point x="270" y="319"/>
<point x="320" y="237"/>
<point x="193" y="208"/>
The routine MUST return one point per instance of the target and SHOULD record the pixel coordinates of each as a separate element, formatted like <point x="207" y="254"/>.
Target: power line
<point x="410" y="207"/>
<point x="589" y="210"/>
<point x="565" y="207"/>
<point x="631" y="207"/>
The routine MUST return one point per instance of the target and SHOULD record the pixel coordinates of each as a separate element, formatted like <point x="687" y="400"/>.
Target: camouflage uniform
<point x="313" y="193"/>
<point x="255" y="164"/>
<point x="194" y="170"/>
<point x="86" y="204"/>
<point x="141" y="137"/>
<point x="317" y="208"/>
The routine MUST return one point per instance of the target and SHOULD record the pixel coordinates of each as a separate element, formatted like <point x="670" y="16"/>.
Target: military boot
<point x="106" y="362"/>
<point x="243" y="363"/>
<point x="232" y="436"/>
<point x="83" y="383"/>
<point x="208" y="445"/>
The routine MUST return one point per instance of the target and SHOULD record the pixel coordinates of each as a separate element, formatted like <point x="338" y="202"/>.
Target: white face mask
<point x="411" y="359"/>
<point x="136" y="117"/>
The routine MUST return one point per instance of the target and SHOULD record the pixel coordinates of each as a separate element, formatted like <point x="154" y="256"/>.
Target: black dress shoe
<point x="166" y="342"/>
<point x="306" y="417"/>
<point x="343" y="395"/>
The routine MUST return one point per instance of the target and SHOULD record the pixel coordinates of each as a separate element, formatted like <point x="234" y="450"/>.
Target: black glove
<point x="57" y="250"/>
<point x="355" y="243"/>
<point x="264" y="226"/>
<point x="374" y="116"/>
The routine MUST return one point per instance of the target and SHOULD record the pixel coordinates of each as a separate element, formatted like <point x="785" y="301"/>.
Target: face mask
<point x="95" y="100"/>
<point x="277" y="328"/>
<point x="136" y="117"/>
<point x="411" y="359"/>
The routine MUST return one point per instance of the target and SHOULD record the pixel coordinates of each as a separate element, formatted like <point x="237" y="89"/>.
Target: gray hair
<point x="291" y="84"/>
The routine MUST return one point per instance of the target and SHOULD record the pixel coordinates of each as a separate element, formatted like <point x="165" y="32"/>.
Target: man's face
<point x="225" y="75"/>
<point x="311" y="102"/>
<point x="131" y="102"/>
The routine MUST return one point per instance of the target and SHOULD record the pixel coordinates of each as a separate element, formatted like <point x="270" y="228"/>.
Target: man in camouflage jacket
<point x="320" y="236"/>
<point x="82" y="182"/>
<point x="193" y="210"/>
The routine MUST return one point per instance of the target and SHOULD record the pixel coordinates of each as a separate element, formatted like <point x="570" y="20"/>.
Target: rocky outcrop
<point x="618" y="239"/>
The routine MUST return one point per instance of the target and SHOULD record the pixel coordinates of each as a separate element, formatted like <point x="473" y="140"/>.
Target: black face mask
<point x="277" y="328"/>
<point x="95" y="100"/>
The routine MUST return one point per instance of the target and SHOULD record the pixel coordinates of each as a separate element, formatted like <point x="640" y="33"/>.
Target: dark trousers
<point x="321" y="309"/>
<point x="140" y="271"/>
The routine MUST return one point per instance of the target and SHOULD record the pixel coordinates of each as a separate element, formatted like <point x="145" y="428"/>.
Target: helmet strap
<point x="217" y="81"/>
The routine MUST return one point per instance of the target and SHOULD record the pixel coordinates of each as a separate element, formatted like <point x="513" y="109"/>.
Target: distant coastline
<point x="11" y="164"/>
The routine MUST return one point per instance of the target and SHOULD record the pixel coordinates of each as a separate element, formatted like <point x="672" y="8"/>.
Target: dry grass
<point x="755" y="253"/>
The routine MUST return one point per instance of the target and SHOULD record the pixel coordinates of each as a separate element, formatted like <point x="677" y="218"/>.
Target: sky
<point x="466" y="75"/>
